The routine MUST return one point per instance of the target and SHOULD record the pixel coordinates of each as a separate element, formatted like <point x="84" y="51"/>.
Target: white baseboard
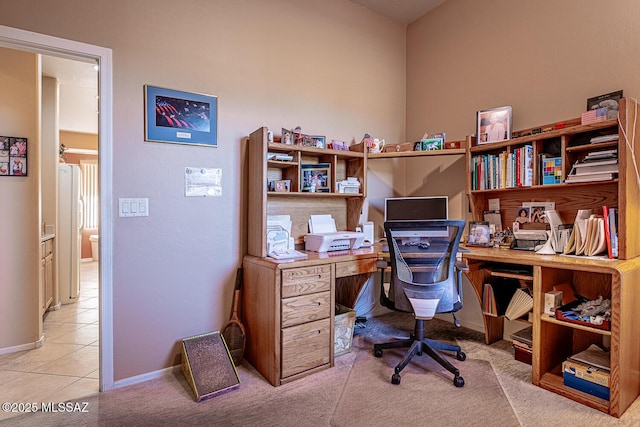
<point x="146" y="377"/>
<point x="23" y="347"/>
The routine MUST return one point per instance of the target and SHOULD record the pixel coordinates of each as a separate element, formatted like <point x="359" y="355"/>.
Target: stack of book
<point x="596" y="166"/>
<point x="523" y="344"/>
<point x="588" y="371"/>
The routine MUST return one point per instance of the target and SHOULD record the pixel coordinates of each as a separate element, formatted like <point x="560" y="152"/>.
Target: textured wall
<point x="331" y="67"/>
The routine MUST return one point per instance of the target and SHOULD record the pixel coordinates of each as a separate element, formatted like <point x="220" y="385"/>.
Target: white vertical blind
<point x="89" y="190"/>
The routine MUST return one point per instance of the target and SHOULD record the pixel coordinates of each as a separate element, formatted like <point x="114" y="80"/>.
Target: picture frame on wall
<point x="179" y="117"/>
<point x="316" y="178"/>
<point x="493" y="125"/>
<point x="13" y="156"/>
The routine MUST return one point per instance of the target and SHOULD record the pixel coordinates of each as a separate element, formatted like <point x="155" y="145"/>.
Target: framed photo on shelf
<point x="287" y="137"/>
<point x="479" y="234"/>
<point x="282" y="186"/>
<point x="320" y="141"/>
<point x="493" y="125"/>
<point x="316" y="178"/>
<point x="608" y="100"/>
<point x="180" y="117"/>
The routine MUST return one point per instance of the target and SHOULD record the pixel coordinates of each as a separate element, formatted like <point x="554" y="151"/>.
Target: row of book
<point x="506" y="298"/>
<point x="596" y="166"/>
<point x="594" y="234"/>
<point x="503" y="170"/>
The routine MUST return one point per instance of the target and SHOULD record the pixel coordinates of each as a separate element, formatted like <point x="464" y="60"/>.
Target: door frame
<point x="17" y="39"/>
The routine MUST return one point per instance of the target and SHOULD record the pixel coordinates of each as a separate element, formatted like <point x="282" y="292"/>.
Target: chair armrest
<point x="461" y="265"/>
<point x="381" y="263"/>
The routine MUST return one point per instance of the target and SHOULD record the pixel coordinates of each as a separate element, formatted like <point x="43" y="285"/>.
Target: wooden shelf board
<point x="512" y="275"/>
<point x="546" y="135"/>
<point x="279" y="147"/>
<point x="591" y="147"/>
<point x="548" y="186"/>
<point x="554" y="382"/>
<point x="309" y="194"/>
<point x="399" y="154"/>
<point x="546" y="318"/>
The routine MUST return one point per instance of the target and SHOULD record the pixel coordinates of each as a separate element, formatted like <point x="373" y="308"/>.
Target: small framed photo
<point x="537" y="214"/>
<point x="180" y="117"/>
<point x="320" y="141"/>
<point x="479" y="234"/>
<point x="494" y="125"/>
<point x="287" y="137"/>
<point x="523" y="215"/>
<point x="282" y="186"/>
<point x="316" y="178"/>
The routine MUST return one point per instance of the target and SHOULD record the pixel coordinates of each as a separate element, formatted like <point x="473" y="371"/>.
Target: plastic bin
<point x="344" y="323"/>
<point x="95" y="247"/>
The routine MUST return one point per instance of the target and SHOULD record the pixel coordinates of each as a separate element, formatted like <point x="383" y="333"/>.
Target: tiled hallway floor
<point x="66" y="366"/>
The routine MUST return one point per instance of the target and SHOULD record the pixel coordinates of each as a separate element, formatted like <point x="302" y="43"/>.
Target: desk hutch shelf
<point x="555" y="340"/>
<point x="344" y="207"/>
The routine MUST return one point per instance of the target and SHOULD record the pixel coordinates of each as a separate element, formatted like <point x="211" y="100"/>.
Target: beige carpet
<point x="356" y="392"/>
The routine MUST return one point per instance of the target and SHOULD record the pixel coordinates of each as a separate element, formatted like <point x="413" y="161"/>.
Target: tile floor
<point x="66" y="366"/>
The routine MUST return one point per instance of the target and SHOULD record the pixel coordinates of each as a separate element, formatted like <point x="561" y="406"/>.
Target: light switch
<point x="133" y="207"/>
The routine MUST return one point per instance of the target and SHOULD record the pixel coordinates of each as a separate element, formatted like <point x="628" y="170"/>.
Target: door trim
<point x="14" y="38"/>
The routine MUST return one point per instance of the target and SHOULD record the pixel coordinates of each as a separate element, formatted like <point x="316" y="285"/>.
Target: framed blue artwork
<point x="180" y="117"/>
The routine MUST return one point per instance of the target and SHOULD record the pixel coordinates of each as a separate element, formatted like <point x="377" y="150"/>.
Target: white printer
<point x="324" y="237"/>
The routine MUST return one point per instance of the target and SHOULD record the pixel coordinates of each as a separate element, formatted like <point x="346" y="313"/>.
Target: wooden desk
<point x="555" y="340"/>
<point x="288" y="311"/>
<point x="289" y="307"/>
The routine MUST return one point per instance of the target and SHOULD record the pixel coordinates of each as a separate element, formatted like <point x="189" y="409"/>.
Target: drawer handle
<point x="315" y="304"/>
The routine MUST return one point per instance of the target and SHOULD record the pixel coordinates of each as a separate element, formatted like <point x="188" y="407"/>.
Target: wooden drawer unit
<point x="306" y="308"/>
<point x="351" y="268"/>
<point x="306" y="280"/>
<point x="306" y="318"/>
<point x="306" y="346"/>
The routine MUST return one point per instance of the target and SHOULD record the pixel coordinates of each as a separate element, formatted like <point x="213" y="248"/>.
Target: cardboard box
<point x="455" y="144"/>
<point x="344" y="323"/>
<point x="552" y="300"/>
<point x="586" y="378"/>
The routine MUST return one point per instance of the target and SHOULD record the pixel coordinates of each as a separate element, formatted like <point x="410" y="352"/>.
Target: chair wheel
<point x="458" y="381"/>
<point x="395" y="379"/>
<point x="377" y="352"/>
<point x="461" y="356"/>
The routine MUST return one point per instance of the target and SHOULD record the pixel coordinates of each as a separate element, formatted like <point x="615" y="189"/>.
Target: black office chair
<point x="426" y="279"/>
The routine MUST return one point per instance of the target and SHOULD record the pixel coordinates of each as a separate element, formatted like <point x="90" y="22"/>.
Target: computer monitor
<point x="416" y="209"/>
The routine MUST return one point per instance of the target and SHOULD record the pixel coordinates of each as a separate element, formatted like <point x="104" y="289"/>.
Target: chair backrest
<point x="423" y="257"/>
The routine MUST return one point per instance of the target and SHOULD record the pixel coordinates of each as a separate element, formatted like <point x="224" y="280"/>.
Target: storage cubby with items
<point x="300" y="181"/>
<point x="587" y="320"/>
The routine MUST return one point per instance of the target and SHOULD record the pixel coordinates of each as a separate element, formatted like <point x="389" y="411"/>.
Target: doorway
<point x="46" y="45"/>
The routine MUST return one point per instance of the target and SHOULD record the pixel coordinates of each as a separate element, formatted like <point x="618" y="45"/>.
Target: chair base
<point x="418" y="344"/>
